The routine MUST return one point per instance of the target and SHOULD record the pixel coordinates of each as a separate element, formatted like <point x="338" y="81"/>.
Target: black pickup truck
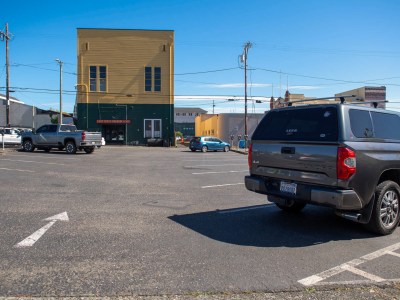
<point x="339" y="155"/>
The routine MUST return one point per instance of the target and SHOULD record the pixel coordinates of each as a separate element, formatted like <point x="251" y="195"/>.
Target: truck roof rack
<point x="342" y="99"/>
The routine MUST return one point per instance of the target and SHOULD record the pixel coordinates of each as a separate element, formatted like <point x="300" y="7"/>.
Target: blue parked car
<point x="208" y="143"/>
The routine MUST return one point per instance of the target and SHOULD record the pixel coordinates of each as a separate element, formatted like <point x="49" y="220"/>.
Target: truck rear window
<point x="68" y="128"/>
<point x="302" y="124"/>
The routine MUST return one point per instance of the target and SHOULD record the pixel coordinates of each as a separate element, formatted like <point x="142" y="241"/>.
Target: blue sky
<point x="318" y="48"/>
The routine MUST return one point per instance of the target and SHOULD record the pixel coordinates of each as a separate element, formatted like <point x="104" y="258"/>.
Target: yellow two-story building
<point x="126" y="84"/>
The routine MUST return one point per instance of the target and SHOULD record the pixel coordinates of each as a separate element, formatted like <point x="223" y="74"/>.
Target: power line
<point x="232" y="98"/>
<point x="340" y="81"/>
<point x="45" y="69"/>
<point x="209" y="71"/>
<point x="324" y="78"/>
<point x="333" y="51"/>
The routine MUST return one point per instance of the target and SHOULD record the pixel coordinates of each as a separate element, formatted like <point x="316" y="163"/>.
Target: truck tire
<point x="89" y="150"/>
<point x="70" y="147"/>
<point x="385" y="214"/>
<point x="291" y="206"/>
<point x="28" y="146"/>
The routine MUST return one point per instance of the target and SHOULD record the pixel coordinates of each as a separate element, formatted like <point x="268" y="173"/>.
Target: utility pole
<point x="247" y="46"/>
<point x="213" y="106"/>
<point x="6" y="36"/>
<point x="60" y="63"/>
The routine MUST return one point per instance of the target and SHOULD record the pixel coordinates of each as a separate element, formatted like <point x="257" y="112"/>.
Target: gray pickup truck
<point x="62" y="137"/>
<point x="338" y="155"/>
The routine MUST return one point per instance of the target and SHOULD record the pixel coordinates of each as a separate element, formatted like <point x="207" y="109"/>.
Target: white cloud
<point x="238" y="85"/>
<point x="217" y="97"/>
<point x="304" y="87"/>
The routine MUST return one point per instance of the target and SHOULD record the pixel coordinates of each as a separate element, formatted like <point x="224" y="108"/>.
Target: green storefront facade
<point x="131" y="124"/>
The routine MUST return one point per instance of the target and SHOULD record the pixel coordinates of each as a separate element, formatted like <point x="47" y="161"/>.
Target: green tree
<point x="53" y="117"/>
<point x="178" y="133"/>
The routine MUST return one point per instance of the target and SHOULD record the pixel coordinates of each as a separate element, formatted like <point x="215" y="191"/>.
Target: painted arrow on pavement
<point x="33" y="238"/>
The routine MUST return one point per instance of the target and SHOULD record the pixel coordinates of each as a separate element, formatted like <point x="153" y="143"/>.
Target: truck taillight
<point x="83" y="136"/>
<point x="250" y="156"/>
<point x="346" y="163"/>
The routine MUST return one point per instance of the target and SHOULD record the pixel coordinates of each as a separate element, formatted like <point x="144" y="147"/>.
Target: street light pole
<point x="61" y="64"/>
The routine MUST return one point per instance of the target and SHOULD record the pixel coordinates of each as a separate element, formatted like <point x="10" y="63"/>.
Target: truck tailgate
<point x="308" y="163"/>
<point x="93" y="136"/>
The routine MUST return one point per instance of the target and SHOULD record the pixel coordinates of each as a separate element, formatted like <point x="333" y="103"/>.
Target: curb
<point x="239" y="151"/>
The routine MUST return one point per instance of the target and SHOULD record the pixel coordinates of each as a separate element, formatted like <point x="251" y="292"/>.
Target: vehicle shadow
<point x="53" y="151"/>
<point x="268" y="226"/>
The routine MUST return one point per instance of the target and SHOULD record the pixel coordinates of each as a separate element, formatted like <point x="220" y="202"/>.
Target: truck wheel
<point x="89" y="150"/>
<point x="28" y="146"/>
<point x="204" y="149"/>
<point x="385" y="214"/>
<point x="291" y="206"/>
<point x="70" y="147"/>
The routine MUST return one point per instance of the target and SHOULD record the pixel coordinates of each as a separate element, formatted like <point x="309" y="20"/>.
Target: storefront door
<point x="114" y="134"/>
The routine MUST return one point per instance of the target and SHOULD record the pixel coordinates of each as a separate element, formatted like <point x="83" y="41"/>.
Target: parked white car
<point x="10" y="136"/>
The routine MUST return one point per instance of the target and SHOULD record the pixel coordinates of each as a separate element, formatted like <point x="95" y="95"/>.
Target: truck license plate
<point x="287" y="187"/>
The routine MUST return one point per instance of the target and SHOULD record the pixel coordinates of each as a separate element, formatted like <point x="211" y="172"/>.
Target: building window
<point x="103" y="78"/>
<point x="98" y="78"/>
<point x="183" y="114"/>
<point x="190" y="114"/>
<point x="152" y="84"/>
<point x="93" y="78"/>
<point x="177" y="114"/>
<point x="147" y="79"/>
<point x="152" y="128"/>
<point x="157" y="79"/>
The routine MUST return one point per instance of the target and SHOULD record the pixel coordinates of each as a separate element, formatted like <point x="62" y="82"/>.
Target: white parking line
<point x="393" y="253"/>
<point x="222" y="172"/>
<point x="31" y="161"/>
<point x="350" y="266"/>
<point x="234" y="210"/>
<point x="47" y="155"/>
<point x="363" y="273"/>
<point x="211" y="160"/>
<point x="219" y="185"/>
<point x="18" y="170"/>
<point x="196" y="166"/>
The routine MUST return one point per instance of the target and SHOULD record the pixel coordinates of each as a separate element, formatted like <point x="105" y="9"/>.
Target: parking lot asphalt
<point x="167" y="221"/>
